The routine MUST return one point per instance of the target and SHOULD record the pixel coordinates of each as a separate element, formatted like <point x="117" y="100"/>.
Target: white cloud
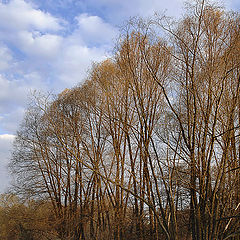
<point x="45" y="46"/>
<point x="5" y="58"/>
<point x="74" y="62"/>
<point x="89" y="42"/>
<point x="18" y="14"/>
<point x="63" y="58"/>
<point x="30" y="30"/>
<point x="94" y="30"/>
<point x="6" y="139"/>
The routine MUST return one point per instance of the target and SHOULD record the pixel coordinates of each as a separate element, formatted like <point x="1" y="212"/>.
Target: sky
<point x="49" y="45"/>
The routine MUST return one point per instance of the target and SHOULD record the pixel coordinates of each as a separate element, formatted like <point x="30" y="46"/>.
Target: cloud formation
<point x="18" y="14"/>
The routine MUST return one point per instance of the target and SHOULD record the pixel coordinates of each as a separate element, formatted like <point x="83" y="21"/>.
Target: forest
<point x="147" y="147"/>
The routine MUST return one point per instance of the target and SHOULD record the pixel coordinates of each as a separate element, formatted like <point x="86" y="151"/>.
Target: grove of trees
<point x="148" y="147"/>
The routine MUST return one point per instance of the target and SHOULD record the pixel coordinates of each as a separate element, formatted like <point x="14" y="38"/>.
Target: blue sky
<point x="49" y="45"/>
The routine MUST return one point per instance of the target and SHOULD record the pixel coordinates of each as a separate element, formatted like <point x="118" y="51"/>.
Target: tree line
<point x="148" y="146"/>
